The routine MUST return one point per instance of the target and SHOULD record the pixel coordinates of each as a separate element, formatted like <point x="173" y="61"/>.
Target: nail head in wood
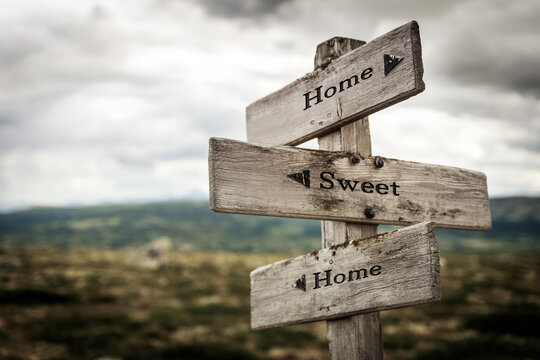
<point x="370" y="214"/>
<point x="379" y="162"/>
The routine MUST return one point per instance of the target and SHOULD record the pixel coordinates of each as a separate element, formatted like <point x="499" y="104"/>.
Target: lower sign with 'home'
<point x="391" y="270"/>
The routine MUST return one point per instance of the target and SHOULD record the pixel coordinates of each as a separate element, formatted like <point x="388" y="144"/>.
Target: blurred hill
<point x="192" y="226"/>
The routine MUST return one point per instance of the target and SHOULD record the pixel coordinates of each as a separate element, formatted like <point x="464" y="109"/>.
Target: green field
<point x="91" y="304"/>
<point x="192" y="226"/>
<point x="69" y="291"/>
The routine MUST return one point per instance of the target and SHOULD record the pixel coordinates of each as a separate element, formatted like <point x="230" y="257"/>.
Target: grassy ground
<point x="91" y="304"/>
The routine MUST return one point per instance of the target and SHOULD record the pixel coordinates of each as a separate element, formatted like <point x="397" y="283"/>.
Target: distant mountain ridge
<point x="191" y="225"/>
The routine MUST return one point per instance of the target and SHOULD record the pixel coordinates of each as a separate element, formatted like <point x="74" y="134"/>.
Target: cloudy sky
<point x="114" y="101"/>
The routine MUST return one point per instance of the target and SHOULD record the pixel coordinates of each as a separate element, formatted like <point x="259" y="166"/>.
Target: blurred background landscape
<point x="72" y="285"/>
<point x="192" y="226"/>
<point x="107" y="247"/>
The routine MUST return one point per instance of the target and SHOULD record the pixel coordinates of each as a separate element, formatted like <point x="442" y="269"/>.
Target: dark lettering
<point x="327" y="279"/>
<point x="375" y="270"/>
<point x="330" y="182"/>
<point x="331" y="91"/>
<point x="367" y="186"/>
<point x="308" y="99"/>
<point x="333" y="88"/>
<point x="343" y="277"/>
<point x="357" y="272"/>
<point x="366" y="74"/>
<point x="347" y="184"/>
<point x="381" y="187"/>
<point x="349" y="82"/>
<point x="394" y="187"/>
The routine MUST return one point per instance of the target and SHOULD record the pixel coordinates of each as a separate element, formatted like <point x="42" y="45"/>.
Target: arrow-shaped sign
<point x="301" y="283"/>
<point x="250" y="179"/>
<point x="390" y="62"/>
<point x="391" y="270"/>
<point x="301" y="177"/>
<point x="349" y="88"/>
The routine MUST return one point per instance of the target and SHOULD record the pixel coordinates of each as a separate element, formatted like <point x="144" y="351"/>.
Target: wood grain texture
<point x="358" y="336"/>
<point x="250" y="179"/>
<point x="333" y="48"/>
<point x="352" y="138"/>
<point x="282" y="118"/>
<point x="387" y="271"/>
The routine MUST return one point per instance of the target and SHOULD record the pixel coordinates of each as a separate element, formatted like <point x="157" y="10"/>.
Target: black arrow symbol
<point x="301" y="177"/>
<point x="301" y="283"/>
<point x="390" y="62"/>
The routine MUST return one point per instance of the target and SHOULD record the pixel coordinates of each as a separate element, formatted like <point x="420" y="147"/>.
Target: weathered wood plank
<point x="359" y="336"/>
<point x="391" y="270"/>
<point x="352" y="86"/>
<point x="301" y="183"/>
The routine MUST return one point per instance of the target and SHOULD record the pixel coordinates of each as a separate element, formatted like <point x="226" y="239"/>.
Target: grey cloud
<point x="241" y="8"/>
<point x="485" y="102"/>
<point x="6" y="121"/>
<point x="215" y="122"/>
<point x="410" y="9"/>
<point x="528" y="141"/>
<point x="15" y="51"/>
<point x="494" y="43"/>
<point x="148" y="160"/>
<point x="521" y="76"/>
<point x="63" y="73"/>
<point x="512" y="66"/>
<point x="497" y="46"/>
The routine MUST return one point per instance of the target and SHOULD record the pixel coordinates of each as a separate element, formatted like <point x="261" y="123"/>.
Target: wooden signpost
<point x="300" y="183"/>
<point x="365" y="80"/>
<point x="357" y="273"/>
<point x="387" y="271"/>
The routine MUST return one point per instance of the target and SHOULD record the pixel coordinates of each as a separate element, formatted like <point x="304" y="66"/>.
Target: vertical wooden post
<point x="360" y="336"/>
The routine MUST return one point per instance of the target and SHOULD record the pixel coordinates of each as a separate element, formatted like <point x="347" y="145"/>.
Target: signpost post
<point x="357" y="273"/>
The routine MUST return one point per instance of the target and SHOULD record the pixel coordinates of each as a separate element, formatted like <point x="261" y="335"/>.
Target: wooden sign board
<point x="391" y="270"/>
<point x="381" y="73"/>
<point x="300" y="183"/>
